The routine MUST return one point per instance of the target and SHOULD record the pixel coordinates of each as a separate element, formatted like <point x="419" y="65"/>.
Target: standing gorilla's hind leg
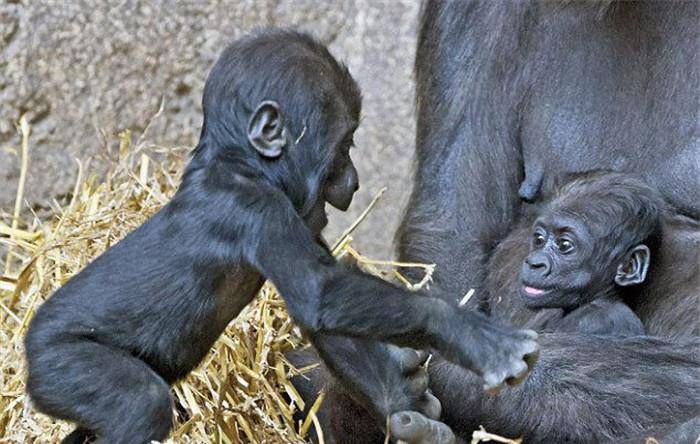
<point x="106" y="391"/>
<point x="80" y="435"/>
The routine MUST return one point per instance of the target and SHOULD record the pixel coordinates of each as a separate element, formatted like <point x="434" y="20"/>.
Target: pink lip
<point x="533" y="291"/>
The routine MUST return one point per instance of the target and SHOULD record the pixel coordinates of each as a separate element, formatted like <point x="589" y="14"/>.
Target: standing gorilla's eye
<point x="565" y="246"/>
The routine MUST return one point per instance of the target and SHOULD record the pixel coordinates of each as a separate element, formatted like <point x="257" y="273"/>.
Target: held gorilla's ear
<point x="267" y="131"/>
<point x="633" y="268"/>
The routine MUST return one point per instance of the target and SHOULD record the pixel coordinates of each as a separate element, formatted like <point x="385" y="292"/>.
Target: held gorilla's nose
<point x="537" y="263"/>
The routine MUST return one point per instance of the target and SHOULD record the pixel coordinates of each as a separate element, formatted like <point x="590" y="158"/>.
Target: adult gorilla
<point x="511" y="98"/>
<point x="523" y="93"/>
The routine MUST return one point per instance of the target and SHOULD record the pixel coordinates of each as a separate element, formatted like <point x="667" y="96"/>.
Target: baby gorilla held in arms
<point x="590" y="246"/>
<point x="279" y="117"/>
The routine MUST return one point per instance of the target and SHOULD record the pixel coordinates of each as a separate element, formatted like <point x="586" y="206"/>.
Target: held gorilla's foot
<point x="413" y="428"/>
<point x="499" y="354"/>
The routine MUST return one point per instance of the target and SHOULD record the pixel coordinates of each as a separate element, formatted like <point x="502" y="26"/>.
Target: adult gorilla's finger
<point x="414" y="428"/>
<point x="409" y="359"/>
<point x="418" y="381"/>
<point x="430" y="406"/>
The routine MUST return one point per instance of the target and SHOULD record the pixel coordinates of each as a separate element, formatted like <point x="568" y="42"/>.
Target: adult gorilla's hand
<point x="414" y="428"/>
<point x="418" y="427"/>
<point x="414" y="381"/>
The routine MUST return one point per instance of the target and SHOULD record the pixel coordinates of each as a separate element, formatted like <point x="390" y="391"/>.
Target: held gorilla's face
<point x="561" y="269"/>
<point x="588" y="241"/>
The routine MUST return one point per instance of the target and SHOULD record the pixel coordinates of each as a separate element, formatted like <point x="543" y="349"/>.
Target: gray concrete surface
<point x="85" y="70"/>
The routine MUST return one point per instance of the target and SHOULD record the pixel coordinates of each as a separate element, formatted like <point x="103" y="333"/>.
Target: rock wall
<point x="85" y="70"/>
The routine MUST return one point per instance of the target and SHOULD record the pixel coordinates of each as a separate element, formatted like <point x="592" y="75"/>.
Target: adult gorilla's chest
<point x="607" y="94"/>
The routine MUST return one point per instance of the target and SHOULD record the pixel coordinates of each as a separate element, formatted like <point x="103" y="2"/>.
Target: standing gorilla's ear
<point x="266" y="130"/>
<point x="634" y="266"/>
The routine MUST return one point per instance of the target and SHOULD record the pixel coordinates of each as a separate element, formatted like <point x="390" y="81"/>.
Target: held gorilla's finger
<point x="413" y="428"/>
<point x="430" y="406"/>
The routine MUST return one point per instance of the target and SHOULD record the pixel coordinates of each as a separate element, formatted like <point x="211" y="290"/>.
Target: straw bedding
<point x="240" y="393"/>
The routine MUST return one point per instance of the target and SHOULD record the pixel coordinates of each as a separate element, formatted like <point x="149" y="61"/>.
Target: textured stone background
<point x="85" y="70"/>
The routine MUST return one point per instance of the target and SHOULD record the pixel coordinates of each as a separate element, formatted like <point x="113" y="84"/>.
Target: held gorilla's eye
<point x="565" y="246"/>
<point x="538" y="239"/>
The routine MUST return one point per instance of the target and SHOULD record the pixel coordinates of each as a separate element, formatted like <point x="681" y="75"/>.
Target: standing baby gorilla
<point x="588" y="245"/>
<point x="279" y="118"/>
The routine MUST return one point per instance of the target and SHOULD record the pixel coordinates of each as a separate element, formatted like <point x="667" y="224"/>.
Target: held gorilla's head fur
<point x="313" y="92"/>
<point x="621" y="208"/>
<point x="593" y="238"/>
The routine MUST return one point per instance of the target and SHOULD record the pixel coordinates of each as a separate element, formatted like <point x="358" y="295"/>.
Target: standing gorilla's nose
<point x="353" y="179"/>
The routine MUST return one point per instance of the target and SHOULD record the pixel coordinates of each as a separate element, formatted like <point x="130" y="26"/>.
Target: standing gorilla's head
<point x="280" y="106"/>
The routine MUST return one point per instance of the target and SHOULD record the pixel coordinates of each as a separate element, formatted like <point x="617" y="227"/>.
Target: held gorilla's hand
<point x="498" y="353"/>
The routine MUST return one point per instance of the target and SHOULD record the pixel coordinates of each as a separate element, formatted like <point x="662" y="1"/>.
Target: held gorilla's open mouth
<point x="533" y="291"/>
<point x="534" y="296"/>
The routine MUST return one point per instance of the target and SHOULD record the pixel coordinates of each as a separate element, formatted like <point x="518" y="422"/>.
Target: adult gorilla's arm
<point x="578" y="394"/>
<point x="468" y="161"/>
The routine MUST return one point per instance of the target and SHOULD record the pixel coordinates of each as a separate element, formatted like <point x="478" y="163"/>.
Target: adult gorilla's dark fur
<point x="523" y="93"/>
<point x="514" y="90"/>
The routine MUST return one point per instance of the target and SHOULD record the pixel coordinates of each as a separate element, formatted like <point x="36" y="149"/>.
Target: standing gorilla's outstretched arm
<point x="326" y="298"/>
